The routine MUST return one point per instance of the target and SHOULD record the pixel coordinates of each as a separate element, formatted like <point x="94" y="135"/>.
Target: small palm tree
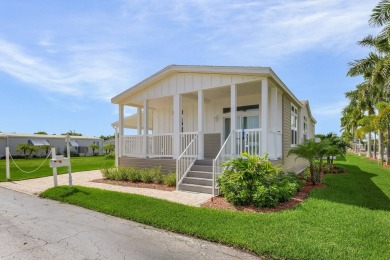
<point x="311" y="151"/>
<point x="93" y="147"/>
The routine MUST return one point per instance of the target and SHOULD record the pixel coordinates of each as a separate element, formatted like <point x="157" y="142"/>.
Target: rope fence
<point x="32" y="170"/>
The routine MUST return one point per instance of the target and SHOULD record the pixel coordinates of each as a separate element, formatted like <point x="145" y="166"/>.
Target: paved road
<point x="35" y="228"/>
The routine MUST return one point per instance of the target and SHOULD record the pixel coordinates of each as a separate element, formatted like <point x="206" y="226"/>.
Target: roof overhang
<point x="237" y="70"/>
<point x="306" y="103"/>
<point x="131" y="121"/>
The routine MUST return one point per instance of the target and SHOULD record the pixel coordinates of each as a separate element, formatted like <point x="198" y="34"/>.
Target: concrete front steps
<point x="199" y="178"/>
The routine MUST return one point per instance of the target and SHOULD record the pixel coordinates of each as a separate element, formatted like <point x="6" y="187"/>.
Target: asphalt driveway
<point x="35" y="228"/>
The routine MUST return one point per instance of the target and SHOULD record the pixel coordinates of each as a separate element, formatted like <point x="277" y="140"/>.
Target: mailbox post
<point x="67" y="140"/>
<point x="53" y="156"/>
<point x="61" y="161"/>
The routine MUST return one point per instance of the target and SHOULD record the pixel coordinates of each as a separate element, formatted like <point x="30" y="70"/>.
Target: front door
<point x="247" y="140"/>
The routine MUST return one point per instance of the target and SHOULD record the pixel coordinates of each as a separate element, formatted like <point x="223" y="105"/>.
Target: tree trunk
<point x="312" y="176"/>
<point x="374" y="145"/>
<point x="380" y="157"/>
<point x="388" y="145"/>
<point x="369" y="145"/>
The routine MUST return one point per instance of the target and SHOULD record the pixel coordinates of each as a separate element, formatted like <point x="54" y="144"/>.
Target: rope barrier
<point x="33" y="170"/>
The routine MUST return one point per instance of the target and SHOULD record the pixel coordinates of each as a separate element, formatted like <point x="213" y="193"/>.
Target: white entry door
<point x="247" y="139"/>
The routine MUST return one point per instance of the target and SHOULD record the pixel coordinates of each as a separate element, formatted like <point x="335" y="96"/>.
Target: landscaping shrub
<point x="140" y="175"/>
<point x="147" y="175"/>
<point x="110" y="156"/>
<point x="170" y="179"/>
<point x="252" y="180"/>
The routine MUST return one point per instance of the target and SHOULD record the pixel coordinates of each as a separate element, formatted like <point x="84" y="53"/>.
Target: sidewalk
<point x="36" y="186"/>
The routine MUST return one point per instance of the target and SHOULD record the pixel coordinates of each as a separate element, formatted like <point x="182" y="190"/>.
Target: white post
<point x="69" y="167"/>
<point x="200" y="125"/>
<point x="146" y="127"/>
<point x="121" y="115"/>
<point x="233" y="115"/>
<point x="53" y="156"/>
<point x="264" y="115"/>
<point x="176" y="125"/>
<point x="139" y="122"/>
<point x="274" y="123"/>
<point x="7" y="171"/>
<point x="116" y="148"/>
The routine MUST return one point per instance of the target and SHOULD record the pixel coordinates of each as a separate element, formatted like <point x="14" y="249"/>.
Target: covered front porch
<point x="209" y="124"/>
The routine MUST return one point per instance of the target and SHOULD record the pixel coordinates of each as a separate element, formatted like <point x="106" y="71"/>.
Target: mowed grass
<point x="78" y="164"/>
<point x="350" y="219"/>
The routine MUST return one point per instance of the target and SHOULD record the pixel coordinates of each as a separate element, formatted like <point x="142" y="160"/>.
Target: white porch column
<point x="200" y="125"/>
<point x="176" y="125"/>
<point x="121" y="117"/>
<point x="233" y="114"/>
<point x="274" y="117"/>
<point x="264" y="115"/>
<point x="146" y="127"/>
<point x="139" y="120"/>
<point x="116" y="148"/>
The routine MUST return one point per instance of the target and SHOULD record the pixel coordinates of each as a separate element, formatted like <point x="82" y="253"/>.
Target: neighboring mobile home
<point x="190" y="119"/>
<point x="79" y="144"/>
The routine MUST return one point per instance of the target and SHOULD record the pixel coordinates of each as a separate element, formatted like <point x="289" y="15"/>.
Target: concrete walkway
<point x="36" y="186"/>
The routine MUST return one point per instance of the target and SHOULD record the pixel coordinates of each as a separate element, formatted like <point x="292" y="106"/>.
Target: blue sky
<point x="62" y="61"/>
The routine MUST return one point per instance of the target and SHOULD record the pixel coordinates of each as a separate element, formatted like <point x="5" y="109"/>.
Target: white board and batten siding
<point x="180" y="83"/>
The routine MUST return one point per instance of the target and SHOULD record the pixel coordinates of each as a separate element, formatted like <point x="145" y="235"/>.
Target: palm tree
<point x="93" y="147"/>
<point x="310" y="151"/>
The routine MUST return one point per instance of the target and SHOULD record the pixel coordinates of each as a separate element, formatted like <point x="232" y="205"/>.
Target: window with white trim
<point x="304" y="128"/>
<point x="294" y="125"/>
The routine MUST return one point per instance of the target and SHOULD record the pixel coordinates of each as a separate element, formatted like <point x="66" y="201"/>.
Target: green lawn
<point x="78" y="164"/>
<point x="350" y="219"/>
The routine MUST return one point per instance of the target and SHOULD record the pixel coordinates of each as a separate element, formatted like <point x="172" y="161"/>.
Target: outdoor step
<point x="198" y="181"/>
<point x="196" y="188"/>
<point x="201" y="168"/>
<point x="198" y="174"/>
<point x="204" y="162"/>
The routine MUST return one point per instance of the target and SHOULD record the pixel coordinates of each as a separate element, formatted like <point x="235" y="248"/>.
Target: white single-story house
<point x="79" y="144"/>
<point x="190" y="119"/>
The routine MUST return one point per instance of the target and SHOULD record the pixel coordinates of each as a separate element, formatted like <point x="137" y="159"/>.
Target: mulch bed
<point x="137" y="184"/>
<point x="222" y="203"/>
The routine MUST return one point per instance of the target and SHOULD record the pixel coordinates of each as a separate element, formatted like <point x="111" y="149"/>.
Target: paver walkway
<point x="36" y="186"/>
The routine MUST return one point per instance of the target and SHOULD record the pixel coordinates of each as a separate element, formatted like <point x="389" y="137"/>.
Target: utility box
<point x="59" y="161"/>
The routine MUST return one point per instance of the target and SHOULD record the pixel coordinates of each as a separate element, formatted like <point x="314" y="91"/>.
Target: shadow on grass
<point x="72" y="191"/>
<point x="355" y="188"/>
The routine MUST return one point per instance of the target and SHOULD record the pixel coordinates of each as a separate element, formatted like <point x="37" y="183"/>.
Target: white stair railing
<point x="186" y="160"/>
<point x="228" y="150"/>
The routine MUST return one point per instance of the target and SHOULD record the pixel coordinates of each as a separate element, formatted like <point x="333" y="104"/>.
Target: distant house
<point x="191" y="118"/>
<point x="79" y="144"/>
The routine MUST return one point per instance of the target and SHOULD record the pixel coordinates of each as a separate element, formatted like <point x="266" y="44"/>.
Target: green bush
<point x="140" y="175"/>
<point x="252" y="180"/>
<point x="110" y="156"/>
<point x="170" y="179"/>
<point x="147" y="175"/>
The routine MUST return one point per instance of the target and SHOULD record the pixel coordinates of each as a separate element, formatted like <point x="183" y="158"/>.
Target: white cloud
<point x="263" y="29"/>
<point x="329" y="109"/>
<point x="97" y="74"/>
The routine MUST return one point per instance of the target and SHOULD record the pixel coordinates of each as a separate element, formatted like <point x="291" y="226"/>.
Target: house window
<point x="294" y="125"/>
<point x="304" y="128"/>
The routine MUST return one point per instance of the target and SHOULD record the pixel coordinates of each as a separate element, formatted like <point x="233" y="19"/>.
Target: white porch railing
<point x="248" y="140"/>
<point x="133" y="145"/>
<point x="224" y="154"/>
<point x="185" y="139"/>
<point x="186" y="160"/>
<point x="160" y="145"/>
